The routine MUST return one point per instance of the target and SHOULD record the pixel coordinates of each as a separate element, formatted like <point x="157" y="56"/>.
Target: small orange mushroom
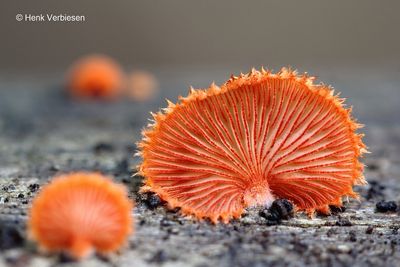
<point x="258" y="137"/>
<point x="142" y="86"/>
<point x="95" y="76"/>
<point x="81" y="212"/>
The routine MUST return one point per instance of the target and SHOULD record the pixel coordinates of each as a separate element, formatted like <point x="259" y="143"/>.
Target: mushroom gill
<point x="81" y="212"/>
<point x="258" y="137"/>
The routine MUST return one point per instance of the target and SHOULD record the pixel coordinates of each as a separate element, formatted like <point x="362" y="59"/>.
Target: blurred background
<point x="227" y="32"/>
<point x="352" y="45"/>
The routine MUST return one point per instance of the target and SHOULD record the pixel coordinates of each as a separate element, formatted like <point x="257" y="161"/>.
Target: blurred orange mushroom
<point x="142" y="86"/>
<point x="81" y="212"/>
<point x="95" y="76"/>
<point x="258" y="137"/>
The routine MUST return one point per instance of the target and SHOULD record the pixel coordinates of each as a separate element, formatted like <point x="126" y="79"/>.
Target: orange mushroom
<point x="95" y="76"/>
<point x="258" y="137"/>
<point x="142" y="86"/>
<point x="81" y="212"/>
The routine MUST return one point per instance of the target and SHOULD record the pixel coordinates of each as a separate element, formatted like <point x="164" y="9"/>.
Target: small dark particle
<point x="103" y="148"/>
<point x="103" y="257"/>
<point x="20" y="196"/>
<point x="166" y="223"/>
<point x="122" y="167"/>
<point x="336" y="209"/>
<point x="159" y="257"/>
<point x="65" y="258"/>
<point x="131" y="148"/>
<point x="331" y="232"/>
<point x="10" y="237"/>
<point x="395" y="230"/>
<point x="369" y="230"/>
<point x="373" y="167"/>
<point x="8" y="188"/>
<point x="174" y="211"/>
<point x="173" y="231"/>
<point x="281" y="209"/>
<point x="272" y="218"/>
<point x="151" y="200"/>
<point x="386" y="206"/>
<point x="54" y="168"/>
<point x="352" y="236"/>
<point x="33" y="187"/>
<point x="375" y="190"/>
<point x="343" y="222"/>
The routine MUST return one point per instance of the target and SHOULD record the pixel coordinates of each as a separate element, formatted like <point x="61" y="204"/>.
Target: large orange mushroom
<point x="81" y="212"/>
<point x="258" y="137"/>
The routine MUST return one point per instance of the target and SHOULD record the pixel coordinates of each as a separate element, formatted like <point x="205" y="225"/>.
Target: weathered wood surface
<point x="43" y="134"/>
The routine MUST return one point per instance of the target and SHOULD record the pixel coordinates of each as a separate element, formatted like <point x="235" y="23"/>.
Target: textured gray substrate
<point x="44" y="134"/>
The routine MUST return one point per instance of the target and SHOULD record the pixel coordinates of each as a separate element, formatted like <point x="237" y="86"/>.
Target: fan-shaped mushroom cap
<point x="258" y="137"/>
<point x="81" y="212"/>
<point x="95" y="76"/>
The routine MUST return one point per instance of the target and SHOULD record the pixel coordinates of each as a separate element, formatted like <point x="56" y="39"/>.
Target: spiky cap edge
<point x="253" y="77"/>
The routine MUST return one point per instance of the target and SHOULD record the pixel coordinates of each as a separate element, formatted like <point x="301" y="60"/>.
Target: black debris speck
<point x="281" y="209"/>
<point x="272" y="218"/>
<point x="33" y="187"/>
<point x="54" y="168"/>
<point x="20" y="196"/>
<point x="122" y="167"/>
<point x="352" y="236"/>
<point x="65" y="258"/>
<point x="343" y="222"/>
<point x="166" y="223"/>
<point x="103" y="257"/>
<point x="369" y="230"/>
<point x="103" y="147"/>
<point x="395" y="230"/>
<point x="331" y="232"/>
<point x="159" y="257"/>
<point x="373" y="166"/>
<point x="386" y="206"/>
<point x="8" y="188"/>
<point x="151" y="200"/>
<point x="375" y="190"/>
<point x="336" y="209"/>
